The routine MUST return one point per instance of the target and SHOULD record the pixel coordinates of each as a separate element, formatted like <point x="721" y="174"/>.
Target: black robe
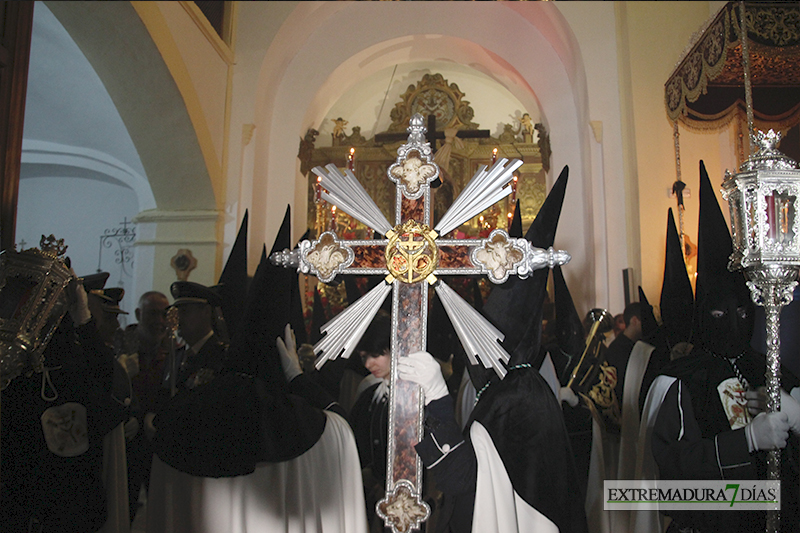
<point x="39" y="485"/>
<point x="524" y="420"/>
<point x="693" y="440"/>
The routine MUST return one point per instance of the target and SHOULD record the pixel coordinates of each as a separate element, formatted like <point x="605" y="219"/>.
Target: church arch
<point x="171" y="141"/>
<point x="318" y="54"/>
<point x="147" y="98"/>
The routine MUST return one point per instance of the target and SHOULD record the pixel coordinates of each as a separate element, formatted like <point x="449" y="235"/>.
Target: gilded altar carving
<point x="433" y="94"/>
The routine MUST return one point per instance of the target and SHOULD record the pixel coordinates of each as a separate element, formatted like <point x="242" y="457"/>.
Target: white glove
<point x="421" y="368"/>
<point x="756" y="400"/>
<point x="565" y="394"/>
<point x="79" y="302"/>
<point x="288" y="351"/>
<point x="792" y="409"/>
<point x="131" y="428"/>
<point x="767" y="431"/>
<point x="149" y="428"/>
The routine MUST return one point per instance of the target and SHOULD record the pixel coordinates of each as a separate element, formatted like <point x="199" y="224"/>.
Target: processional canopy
<point x="706" y="88"/>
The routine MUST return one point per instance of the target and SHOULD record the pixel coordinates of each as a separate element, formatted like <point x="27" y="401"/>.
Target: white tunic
<point x="317" y="492"/>
<point x="498" y="507"/>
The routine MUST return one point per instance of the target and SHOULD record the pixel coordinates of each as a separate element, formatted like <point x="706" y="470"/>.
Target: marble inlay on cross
<point x="411" y="257"/>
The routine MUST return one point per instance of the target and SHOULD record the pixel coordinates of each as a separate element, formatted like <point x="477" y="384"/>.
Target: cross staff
<point x="411" y="257"/>
<point x="432" y="135"/>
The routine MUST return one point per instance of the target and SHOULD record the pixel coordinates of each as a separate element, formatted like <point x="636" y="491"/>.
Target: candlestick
<point x="350" y="158"/>
<point x="768" y="250"/>
<point x="318" y="191"/>
<point x="494" y="155"/>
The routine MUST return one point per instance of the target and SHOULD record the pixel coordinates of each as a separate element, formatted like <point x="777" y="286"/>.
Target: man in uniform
<point x="204" y="353"/>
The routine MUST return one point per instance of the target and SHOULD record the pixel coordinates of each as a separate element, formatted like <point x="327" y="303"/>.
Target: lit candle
<point x="510" y="219"/>
<point x="333" y="218"/>
<point x="350" y="157"/>
<point x="318" y="191"/>
<point x="514" y="188"/>
<point x="494" y="155"/>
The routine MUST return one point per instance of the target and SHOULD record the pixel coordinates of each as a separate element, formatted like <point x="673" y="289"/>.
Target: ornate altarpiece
<point x="433" y="95"/>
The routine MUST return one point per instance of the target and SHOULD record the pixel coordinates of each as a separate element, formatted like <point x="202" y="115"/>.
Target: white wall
<point x="78" y="210"/>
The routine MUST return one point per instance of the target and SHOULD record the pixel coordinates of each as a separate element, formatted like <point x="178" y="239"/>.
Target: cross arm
<point x="498" y="256"/>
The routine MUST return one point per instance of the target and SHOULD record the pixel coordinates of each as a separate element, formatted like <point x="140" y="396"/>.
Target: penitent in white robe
<point x="317" y="492"/>
<point x="498" y="507"/>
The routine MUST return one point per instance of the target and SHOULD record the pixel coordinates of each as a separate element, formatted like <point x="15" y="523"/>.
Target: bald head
<point x="151" y="314"/>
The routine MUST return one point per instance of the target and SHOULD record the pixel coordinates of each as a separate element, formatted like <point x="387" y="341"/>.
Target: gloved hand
<point x="288" y="351"/>
<point x="149" y="427"/>
<point x="78" y="301"/>
<point x="756" y="401"/>
<point x="131" y="428"/>
<point x="791" y="407"/>
<point x="565" y="394"/>
<point x="767" y="431"/>
<point x="421" y="368"/>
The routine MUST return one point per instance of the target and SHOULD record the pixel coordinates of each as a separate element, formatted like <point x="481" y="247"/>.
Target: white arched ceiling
<point x="146" y="98"/>
<point x="68" y="111"/>
<point x="323" y="48"/>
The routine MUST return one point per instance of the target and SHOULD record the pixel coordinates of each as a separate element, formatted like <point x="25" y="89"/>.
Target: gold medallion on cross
<point x="411" y="257"/>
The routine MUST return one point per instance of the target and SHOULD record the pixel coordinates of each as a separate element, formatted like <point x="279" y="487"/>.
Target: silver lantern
<point x="32" y="304"/>
<point x="763" y="200"/>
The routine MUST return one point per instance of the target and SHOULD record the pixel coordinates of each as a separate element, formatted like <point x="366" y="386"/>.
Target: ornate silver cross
<point x="411" y="257"/>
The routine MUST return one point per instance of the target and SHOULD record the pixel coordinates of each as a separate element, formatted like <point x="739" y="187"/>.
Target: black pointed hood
<point x="715" y="283"/>
<point x="515" y="230"/>
<point x="298" y="320"/>
<point x="570" y="334"/>
<point x="318" y="318"/>
<point x="244" y="415"/>
<point x="233" y="281"/>
<point x="649" y="322"/>
<point x="677" y="299"/>
<point x="253" y="350"/>
<point x="515" y="307"/>
<point x="521" y="413"/>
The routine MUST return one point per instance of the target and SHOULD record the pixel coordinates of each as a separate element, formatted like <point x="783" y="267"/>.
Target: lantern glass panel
<point x="737" y="229"/>
<point x="14" y="295"/>
<point x="785" y="217"/>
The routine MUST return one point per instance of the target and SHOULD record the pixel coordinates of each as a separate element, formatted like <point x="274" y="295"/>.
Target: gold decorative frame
<point x="433" y="95"/>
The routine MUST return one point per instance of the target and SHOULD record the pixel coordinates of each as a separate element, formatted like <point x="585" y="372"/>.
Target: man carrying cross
<point x="512" y="469"/>
<point x="412" y="257"/>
